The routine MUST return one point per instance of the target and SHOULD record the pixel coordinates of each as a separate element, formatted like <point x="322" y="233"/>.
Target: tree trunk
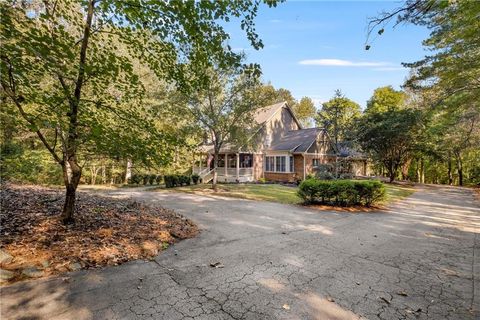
<point x="392" y="176"/>
<point x="104" y="174"/>
<point x="422" y="171"/>
<point x="215" y="168"/>
<point x="128" y="172"/>
<point x="71" y="175"/>
<point x="112" y="176"/>
<point x="459" y="168"/>
<point x="450" y="176"/>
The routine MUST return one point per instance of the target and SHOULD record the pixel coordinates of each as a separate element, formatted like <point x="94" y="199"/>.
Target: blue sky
<point x="315" y="47"/>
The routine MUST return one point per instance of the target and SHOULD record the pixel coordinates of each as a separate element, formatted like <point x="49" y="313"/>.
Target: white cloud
<point x="342" y="63"/>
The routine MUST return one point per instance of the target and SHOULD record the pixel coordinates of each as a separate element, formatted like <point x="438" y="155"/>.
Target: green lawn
<point x="276" y="192"/>
<point x="396" y="192"/>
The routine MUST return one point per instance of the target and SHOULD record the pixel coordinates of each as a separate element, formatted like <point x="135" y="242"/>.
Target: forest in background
<point x="146" y="108"/>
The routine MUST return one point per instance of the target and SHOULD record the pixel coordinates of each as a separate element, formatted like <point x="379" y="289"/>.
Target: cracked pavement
<point x="419" y="260"/>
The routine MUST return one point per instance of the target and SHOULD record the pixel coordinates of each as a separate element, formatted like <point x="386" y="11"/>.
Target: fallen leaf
<point x="330" y="299"/>
<point x="286" y="307"/>
<point x="402" y="293"/>
<point x="216" y="265"/>
<point x="385" y="300"/>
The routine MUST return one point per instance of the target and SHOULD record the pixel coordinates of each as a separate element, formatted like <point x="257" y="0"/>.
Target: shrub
<point x="195" y="178"/>
<point x="136" y="178"/>
<point x="158" y="178"/>
<point x="151" y="178"/>
<point x="184" y="180"/>
<point x="325" y="175"/>
<point x="170" y="181"/>
<point x="145" y="179"/>
<point x="342" y="192"/>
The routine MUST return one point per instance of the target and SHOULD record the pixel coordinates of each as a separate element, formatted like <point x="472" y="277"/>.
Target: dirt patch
<point x="106" y="232"/>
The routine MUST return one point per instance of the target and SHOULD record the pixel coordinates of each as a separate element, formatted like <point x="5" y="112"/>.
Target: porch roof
<point x="227" y="148"/>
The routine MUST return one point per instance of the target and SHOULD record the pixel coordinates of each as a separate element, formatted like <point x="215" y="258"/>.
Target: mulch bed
<point x="106" y="231"/>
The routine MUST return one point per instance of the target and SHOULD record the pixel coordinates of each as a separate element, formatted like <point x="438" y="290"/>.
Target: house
<point x="282" y="151"/>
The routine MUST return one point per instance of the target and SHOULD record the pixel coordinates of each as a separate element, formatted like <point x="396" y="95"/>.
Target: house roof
<point x="297" y="140"/>
<point x="264" y="114"/>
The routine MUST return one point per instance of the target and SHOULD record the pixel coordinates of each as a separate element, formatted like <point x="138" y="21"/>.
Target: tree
<point x="338" y="115"/>
<point x="68" y="65"/>
<point x="385" y="99"/>
<point x="454" y="64"/>
<point x="389" y="137"/>
<point x="447" y="81"/>
<point x="225" y="109"/>
<point x="305" y="111"/>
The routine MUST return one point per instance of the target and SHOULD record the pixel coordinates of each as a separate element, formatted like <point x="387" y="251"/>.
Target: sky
<point x="313" y="48"/>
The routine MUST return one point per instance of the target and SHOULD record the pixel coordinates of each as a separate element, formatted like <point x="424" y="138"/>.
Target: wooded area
<point x="93" y="91"/>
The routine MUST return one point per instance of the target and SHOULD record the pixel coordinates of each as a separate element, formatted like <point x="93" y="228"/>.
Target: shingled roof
<point x="297" y="140"/>
<point x="264" y="114"/>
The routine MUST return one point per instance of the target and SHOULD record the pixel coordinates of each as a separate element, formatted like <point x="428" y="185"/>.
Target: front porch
<point x="232" y="167"/>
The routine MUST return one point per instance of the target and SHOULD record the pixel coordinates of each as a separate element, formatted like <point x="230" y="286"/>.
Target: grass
<point x="265" y="192"/>
<point x="397" y="192"/>
<point x="278" y="193"/>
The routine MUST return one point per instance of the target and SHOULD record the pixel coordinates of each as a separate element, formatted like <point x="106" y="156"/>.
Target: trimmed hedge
<point x="342" y="192"/>
<point x="177" y="180"/>
<point x="195" y="178"/>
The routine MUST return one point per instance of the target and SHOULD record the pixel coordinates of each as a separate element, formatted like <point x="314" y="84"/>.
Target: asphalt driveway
<point x="419" y="260"/>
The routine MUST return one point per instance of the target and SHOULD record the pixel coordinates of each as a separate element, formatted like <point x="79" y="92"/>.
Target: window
<point x="280" y="164"/>
<point x="316" y="162"/>
<point x="246" y="160"/>
<point x="232" y="160"/>
<point x="270" y="164"/>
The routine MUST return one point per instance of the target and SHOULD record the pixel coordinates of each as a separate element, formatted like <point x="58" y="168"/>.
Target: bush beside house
<point x="342" y="192"/>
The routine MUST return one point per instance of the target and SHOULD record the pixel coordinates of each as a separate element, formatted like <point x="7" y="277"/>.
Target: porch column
<point x="226" y="165"/>
<point x="201" y="160"/>
<point x="238" y="166"/>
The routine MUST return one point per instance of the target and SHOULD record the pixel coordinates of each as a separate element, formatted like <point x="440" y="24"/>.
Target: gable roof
<point x="297" y="140"/>
<point x="263" y="115"/>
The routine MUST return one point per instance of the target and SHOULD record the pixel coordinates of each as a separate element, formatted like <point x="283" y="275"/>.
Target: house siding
<point x="294" y="176"/>
<point x="278" y="126"/>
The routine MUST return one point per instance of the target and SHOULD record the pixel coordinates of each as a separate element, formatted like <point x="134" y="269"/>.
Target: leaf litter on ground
<point x="106" y="232"/>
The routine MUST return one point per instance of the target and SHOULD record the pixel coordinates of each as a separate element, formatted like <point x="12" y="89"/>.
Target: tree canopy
<point x="337" y="116"/>
<point x="70" y="70"/>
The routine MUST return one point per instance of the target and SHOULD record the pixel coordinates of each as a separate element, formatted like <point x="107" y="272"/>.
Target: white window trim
<point x="287" y="163"/>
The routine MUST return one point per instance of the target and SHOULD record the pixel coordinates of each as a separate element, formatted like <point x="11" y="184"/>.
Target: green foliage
<point x="305" y="111"/>
<point x="175" y="180"/>
<point x="28" y="166"/>
<point x="337" y="116"/>
<point x="195" y="178"/>
<point x="342" y="192"/>
<point x="385" y="99"/>
<point x="389" y="136"/>
<point x="158" y="178"/>
<point x="152" y="178"/>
